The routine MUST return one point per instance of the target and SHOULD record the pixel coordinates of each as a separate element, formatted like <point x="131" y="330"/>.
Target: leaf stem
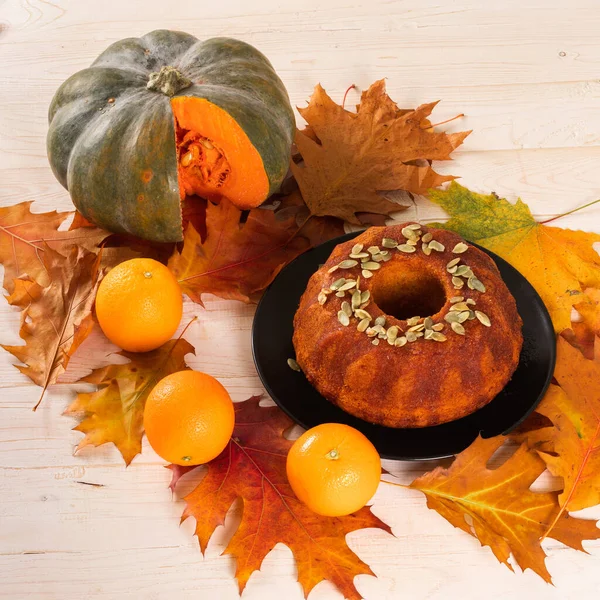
<point x="402" y="485"/>
<point x="570" y="212"/>
<point x="352" y="87"/>
<point x="153" y="380"/>
<point x="194" y="318"/>
<point x="42" y="395"/>
<point x="444" y="122"/>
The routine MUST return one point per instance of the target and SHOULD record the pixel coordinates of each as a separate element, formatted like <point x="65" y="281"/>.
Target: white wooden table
<point x="527" y="79"/>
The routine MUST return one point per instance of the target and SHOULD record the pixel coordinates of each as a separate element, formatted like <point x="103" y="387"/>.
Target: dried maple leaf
<point x="115" y="412"/>
<point x="23" y="239"/>
<point x="252" y="467"/>
<point x="237" y="258"/>
<point x="193" y="210"/>
<point x="79" y="221"/>
<point x="582" y="338"/>
<point x="590" y="309"/>
<point x="506" y="515"/>
<point x="58" y="317"/>
<point x="570" y="447"/>
<point x="317" y="230"/>
<point x="559" y="263"/>
<point x="117" y="248"/>
<point x="349" y="158"/>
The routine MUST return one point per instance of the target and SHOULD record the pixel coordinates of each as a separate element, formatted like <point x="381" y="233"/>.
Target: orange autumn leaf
<point x="237" y="259"/>
<point x="559" y="263"/>
<point x="590" y="309"/>
<point x="117" y="248"/>
<point x="79" y="221"/>
<point x="582" y="338"/>
<point x="115" y="412"/>
<point x="24" y="236"/>
<point x="55" y="318"/>
<point x="570" y="446"/>
<point x="350" y="158"/>
<point x="252" y="467"/>
<point x="505" y="514"/>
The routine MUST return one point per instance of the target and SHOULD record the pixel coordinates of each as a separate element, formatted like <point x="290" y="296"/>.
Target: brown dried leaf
<point x="350" y="158"/>
<point x="23" y="239"/>
<point x="237" y="259"/>
<point x="55" y="318"/>
<point x="317" y="230"/>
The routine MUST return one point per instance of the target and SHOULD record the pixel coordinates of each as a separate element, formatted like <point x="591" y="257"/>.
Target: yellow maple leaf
<point x="570" y="446"/>
<point x="590" y="309"/>
<point x="559" y="263"/>
<point x="503" y="512"/>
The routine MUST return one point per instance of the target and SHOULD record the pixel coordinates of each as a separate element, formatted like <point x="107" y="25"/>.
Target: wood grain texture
<point x="526" y="77"/>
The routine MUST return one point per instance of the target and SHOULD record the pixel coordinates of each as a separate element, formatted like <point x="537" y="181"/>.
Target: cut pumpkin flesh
<point x="215" y="157"/>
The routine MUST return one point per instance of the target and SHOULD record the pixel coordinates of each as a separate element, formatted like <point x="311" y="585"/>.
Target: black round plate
<point x="272" y="346"/>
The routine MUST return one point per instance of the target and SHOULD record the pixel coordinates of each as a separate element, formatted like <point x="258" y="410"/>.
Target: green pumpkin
<point x="163" y="116"/>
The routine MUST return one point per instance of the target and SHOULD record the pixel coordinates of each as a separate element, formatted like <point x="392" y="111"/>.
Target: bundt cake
<point x="408" y="326"/>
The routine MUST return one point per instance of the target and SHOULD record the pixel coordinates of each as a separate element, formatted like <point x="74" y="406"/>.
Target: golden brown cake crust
<point x="421" y="383"/>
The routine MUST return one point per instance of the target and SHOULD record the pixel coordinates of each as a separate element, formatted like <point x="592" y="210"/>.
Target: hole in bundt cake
<point x="403" y="294"/>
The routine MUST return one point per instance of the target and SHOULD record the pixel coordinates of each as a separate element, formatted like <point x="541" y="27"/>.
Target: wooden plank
<point x="502" y="117"/>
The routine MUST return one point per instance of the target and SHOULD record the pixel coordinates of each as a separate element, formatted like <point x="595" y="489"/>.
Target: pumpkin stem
<point x="168" y="81"/>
